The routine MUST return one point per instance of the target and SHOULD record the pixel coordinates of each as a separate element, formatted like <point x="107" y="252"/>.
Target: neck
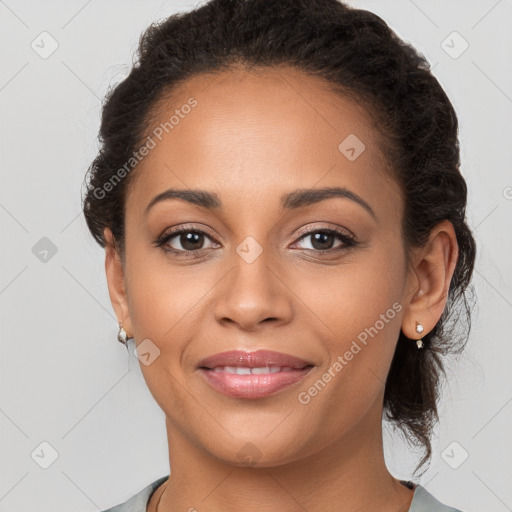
<point x="347" y="475"/>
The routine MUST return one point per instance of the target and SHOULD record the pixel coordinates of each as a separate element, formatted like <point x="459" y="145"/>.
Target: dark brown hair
<point x="359" y="55"/>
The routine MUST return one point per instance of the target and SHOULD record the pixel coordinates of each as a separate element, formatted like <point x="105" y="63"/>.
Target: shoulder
<point x="423" y="501"/>
<point x="138" y="502"/>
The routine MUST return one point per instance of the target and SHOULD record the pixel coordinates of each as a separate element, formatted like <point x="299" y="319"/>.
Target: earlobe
<point x="116" y="283"/>
<point x="429" y="281"/>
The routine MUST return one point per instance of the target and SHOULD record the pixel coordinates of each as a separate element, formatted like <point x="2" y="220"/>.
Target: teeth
<point x="244" y="370"/>
<point x="239" y="370"/>
<point x="258" y="371"/>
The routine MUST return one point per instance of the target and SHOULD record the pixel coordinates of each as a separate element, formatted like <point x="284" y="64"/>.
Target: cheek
<point x="164" y="298"/>
<point x="352" y="297"/>
<point x="360" y="312"/>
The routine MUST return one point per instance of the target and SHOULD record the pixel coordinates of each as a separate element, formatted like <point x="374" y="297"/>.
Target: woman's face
<point x="253" y="280"/>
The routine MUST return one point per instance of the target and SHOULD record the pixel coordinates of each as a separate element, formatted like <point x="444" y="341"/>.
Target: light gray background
<point x="65" y="380"/>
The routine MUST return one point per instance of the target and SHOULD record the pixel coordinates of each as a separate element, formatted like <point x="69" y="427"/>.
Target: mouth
<point x="253" y="375"/>
<point x="260" y="370"/>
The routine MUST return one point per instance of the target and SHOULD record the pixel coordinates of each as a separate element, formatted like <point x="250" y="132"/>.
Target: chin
<point x="263" y="452"/>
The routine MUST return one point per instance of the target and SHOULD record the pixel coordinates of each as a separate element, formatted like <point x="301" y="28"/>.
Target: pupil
<point x="188" y="240"/>
<point x="317" y="237"/>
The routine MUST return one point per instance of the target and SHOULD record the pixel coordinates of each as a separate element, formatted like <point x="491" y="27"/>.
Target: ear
<point x="430" y="273"/>
<point x="116" y="282"/>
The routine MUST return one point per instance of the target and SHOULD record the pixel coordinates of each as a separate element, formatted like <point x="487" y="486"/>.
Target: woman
<point x="279" y="198"/>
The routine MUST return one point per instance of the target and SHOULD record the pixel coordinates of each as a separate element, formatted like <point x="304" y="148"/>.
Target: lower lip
<point x="252" y="386"/>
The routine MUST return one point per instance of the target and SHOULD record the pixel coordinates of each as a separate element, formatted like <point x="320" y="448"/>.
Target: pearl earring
<point x="123" y="337"/>
<point x="419" y="330"/>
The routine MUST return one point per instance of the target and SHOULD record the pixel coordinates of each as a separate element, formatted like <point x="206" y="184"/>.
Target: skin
<point x="254" y="136"/>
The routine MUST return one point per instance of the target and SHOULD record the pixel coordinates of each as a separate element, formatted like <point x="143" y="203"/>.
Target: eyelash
<point x="347" y="239"/>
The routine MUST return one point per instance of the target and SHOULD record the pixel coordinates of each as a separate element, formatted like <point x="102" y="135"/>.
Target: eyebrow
<point x="299" y="198"/>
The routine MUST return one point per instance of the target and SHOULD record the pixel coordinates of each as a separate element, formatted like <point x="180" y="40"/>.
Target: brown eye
<point x="323" y="240"/>
<point x="184" y="240"/>
<point x="191" y="240"/>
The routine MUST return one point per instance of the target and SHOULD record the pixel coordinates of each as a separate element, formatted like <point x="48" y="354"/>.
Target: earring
<point x="122" y="336"/>
<point x="419" y="330"/>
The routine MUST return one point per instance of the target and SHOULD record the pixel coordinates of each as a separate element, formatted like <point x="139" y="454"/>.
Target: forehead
<point x="259" y="129"/>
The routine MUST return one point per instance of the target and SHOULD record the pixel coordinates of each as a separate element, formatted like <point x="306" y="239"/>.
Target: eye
<point x="188" y="240"/>
<point x="322" y="240"/>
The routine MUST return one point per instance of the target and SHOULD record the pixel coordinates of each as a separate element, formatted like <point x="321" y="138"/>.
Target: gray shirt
<point x="422" y="501"/>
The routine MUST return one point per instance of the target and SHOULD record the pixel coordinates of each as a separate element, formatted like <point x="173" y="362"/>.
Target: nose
<point x="254" y="294"/>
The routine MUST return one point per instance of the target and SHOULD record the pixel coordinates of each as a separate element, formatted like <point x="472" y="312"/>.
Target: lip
<point x="255" y="359"/>
<point x="252" y="386"/>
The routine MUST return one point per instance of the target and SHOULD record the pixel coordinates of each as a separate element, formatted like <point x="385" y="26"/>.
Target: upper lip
<point x="255" y="359"/>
